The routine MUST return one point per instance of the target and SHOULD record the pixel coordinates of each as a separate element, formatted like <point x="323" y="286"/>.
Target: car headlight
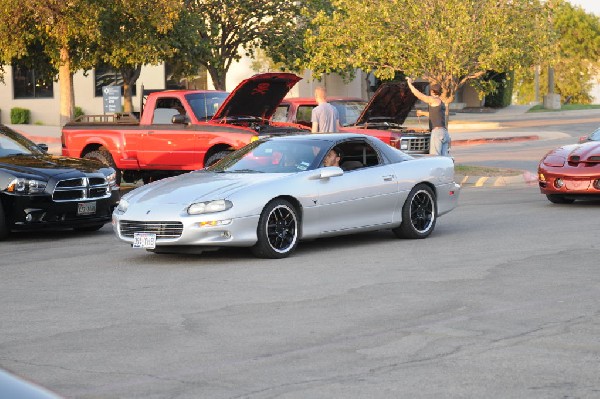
<point x="112" y="179"/>
<point x="209" y="207"/>
<point x="122" y="207"/>
<point x="26" y="186"/>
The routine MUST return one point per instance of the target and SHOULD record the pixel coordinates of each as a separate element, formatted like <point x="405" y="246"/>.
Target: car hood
<point x="47" y="165"/>
<point x="194" y="187"/>
<point x="576" y="153"/>
<point x="257" y="96"/>
<point x="391" y="102"/>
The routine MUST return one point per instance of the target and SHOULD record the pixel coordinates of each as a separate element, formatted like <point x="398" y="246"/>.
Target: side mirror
<point x="43" y="147"/>
<point x="180" y="120"/>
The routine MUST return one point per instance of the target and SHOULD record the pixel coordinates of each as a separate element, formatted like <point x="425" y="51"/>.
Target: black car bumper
<point x="36" y="212"/>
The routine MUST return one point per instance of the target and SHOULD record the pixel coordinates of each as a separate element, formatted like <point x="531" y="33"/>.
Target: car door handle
<point x="388" y="178"/>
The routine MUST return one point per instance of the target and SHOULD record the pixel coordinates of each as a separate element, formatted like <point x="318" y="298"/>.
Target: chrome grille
<point x="82" y="188"/>
<point x="162" y="229"/>
<point x="419" y="144"/>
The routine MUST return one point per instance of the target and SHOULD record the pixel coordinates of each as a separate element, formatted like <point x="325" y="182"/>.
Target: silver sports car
<point x="274" y="192"/>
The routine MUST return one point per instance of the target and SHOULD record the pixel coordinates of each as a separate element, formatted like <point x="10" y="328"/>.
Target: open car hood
<point x="391" y="103"/>
<point x="257" y="96"/>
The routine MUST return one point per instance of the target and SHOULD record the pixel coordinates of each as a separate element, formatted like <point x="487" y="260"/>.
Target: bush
<point x="19" y="115"/>
<point x="504" y="89"/>
<point x="78" y="112"/>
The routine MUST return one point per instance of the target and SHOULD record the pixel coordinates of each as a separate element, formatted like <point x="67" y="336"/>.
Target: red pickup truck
<point x="383" y="116"/>
<point x="182" y="130"/>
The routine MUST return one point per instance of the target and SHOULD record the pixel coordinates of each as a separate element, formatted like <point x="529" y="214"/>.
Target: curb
<point x="494" y="140"/>
<point x="526" y="178"/>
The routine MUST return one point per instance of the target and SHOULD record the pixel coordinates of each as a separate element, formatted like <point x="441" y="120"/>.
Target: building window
<point x="28" y="84"/>
<point x="106" y="76"/>
<point x="176" y="79"/>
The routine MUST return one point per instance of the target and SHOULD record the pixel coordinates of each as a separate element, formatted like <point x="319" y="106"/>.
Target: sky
<point x="591" y="6"/>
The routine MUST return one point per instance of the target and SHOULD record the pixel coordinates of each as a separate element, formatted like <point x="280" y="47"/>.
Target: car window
<point x="272" y="156"/>
<point x="304" y="114"/>
<point x="357" y="154"/>
<point x="281" y="113"/>
<point x="205" y="105"/>
<point x="349" y="111"/>
<point x="11" y="147"/>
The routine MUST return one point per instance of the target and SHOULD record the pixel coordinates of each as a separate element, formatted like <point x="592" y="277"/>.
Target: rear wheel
<point x="277" y="231"/>
<point x="559" y="199"/>
<point x="3" y="223"/>
<point x="102" y="155"/>
<point x="418" y="213"/>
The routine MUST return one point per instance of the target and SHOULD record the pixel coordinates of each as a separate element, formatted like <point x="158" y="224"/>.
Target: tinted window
<point x="107" y="76"/>
<point x="205" y="105"/>
<point x="29" y="84"/>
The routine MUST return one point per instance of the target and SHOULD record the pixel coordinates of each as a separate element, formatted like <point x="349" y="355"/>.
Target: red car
<point x="570" y="173"/>
<point x="382" y="117"/>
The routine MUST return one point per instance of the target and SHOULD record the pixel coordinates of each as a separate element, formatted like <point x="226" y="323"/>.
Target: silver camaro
<point x="274" y="192"/>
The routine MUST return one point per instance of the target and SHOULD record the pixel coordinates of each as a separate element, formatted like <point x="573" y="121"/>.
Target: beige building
<point x="22" y="89"/>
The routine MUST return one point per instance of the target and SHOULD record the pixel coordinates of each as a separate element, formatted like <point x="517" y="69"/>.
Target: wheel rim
<point x="422" y="212"/>
<point x="282" y="229"/>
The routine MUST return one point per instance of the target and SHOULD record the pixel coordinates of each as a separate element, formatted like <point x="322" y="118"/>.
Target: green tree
<point x="130" y="38"/>
<point x="576" y="60"/>
<point x="227" y="29"/>
<point x="63" y="29"/>
<point x="449" y="42"/>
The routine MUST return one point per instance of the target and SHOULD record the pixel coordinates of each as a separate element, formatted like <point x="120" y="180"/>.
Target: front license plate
<point x="144" y="240"/>
<point x="86" y="208"/>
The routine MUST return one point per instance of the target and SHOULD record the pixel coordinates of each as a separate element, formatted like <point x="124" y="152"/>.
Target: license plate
<point x="144" y="240"/>
<point x="86" y="208"/>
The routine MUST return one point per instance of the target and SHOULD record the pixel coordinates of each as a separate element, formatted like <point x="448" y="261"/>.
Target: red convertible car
<point x="571" y="172"/>
<point x="382" y="117"/>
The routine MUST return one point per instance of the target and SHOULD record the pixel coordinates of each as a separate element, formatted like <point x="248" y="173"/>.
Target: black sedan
<point x="39" y="190"/>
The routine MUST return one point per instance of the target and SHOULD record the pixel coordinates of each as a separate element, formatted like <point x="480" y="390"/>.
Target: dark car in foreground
<point x="39" y="190"/>
<point x="571" y="172"/>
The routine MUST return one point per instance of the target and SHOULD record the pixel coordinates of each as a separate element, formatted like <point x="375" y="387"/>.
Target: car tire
<point x="3" y="223"/>
<point x="278" y="230"/>
<point x="559" y="199"/>
<point x="419" y="213"/>
<point x="103" y="156"/>
<point x="214" y="158"/>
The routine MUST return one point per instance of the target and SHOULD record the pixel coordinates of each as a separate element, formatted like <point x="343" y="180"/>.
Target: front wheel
<point x="277" y="230"/>
<point x="559" y="199"/>
<point x="418" y="213"/>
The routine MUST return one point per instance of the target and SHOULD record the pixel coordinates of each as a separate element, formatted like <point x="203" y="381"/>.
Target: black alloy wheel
<point x="278" y="229"/>
<point x="419" y="213"/>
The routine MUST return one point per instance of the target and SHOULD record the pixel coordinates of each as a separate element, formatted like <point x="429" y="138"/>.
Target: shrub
<point x="78" y="112"/>
<point x="19" y="115"/>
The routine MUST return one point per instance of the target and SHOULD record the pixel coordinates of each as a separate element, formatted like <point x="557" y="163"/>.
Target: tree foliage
<point x="576" y="59"/>
<point x="449" y="42"/>
<point x="224" y="27"/>
<point x="63" y="29"/>
<point x="130" y="39"/>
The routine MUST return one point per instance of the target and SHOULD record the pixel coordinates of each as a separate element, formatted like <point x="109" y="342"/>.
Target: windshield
<point x="13" y="143"/>
<point x="205" y="105"/>
<point x="274" y="156"/>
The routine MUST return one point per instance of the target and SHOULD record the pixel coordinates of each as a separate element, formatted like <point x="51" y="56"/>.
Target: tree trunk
<point x="218" y="77"/>
<point x="130" y="76"/>
<point x="67" y="98"/>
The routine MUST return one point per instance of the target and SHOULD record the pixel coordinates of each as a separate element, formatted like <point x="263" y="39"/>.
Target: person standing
<point x="325" y="117"/>
<point x="439" y="143"/>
